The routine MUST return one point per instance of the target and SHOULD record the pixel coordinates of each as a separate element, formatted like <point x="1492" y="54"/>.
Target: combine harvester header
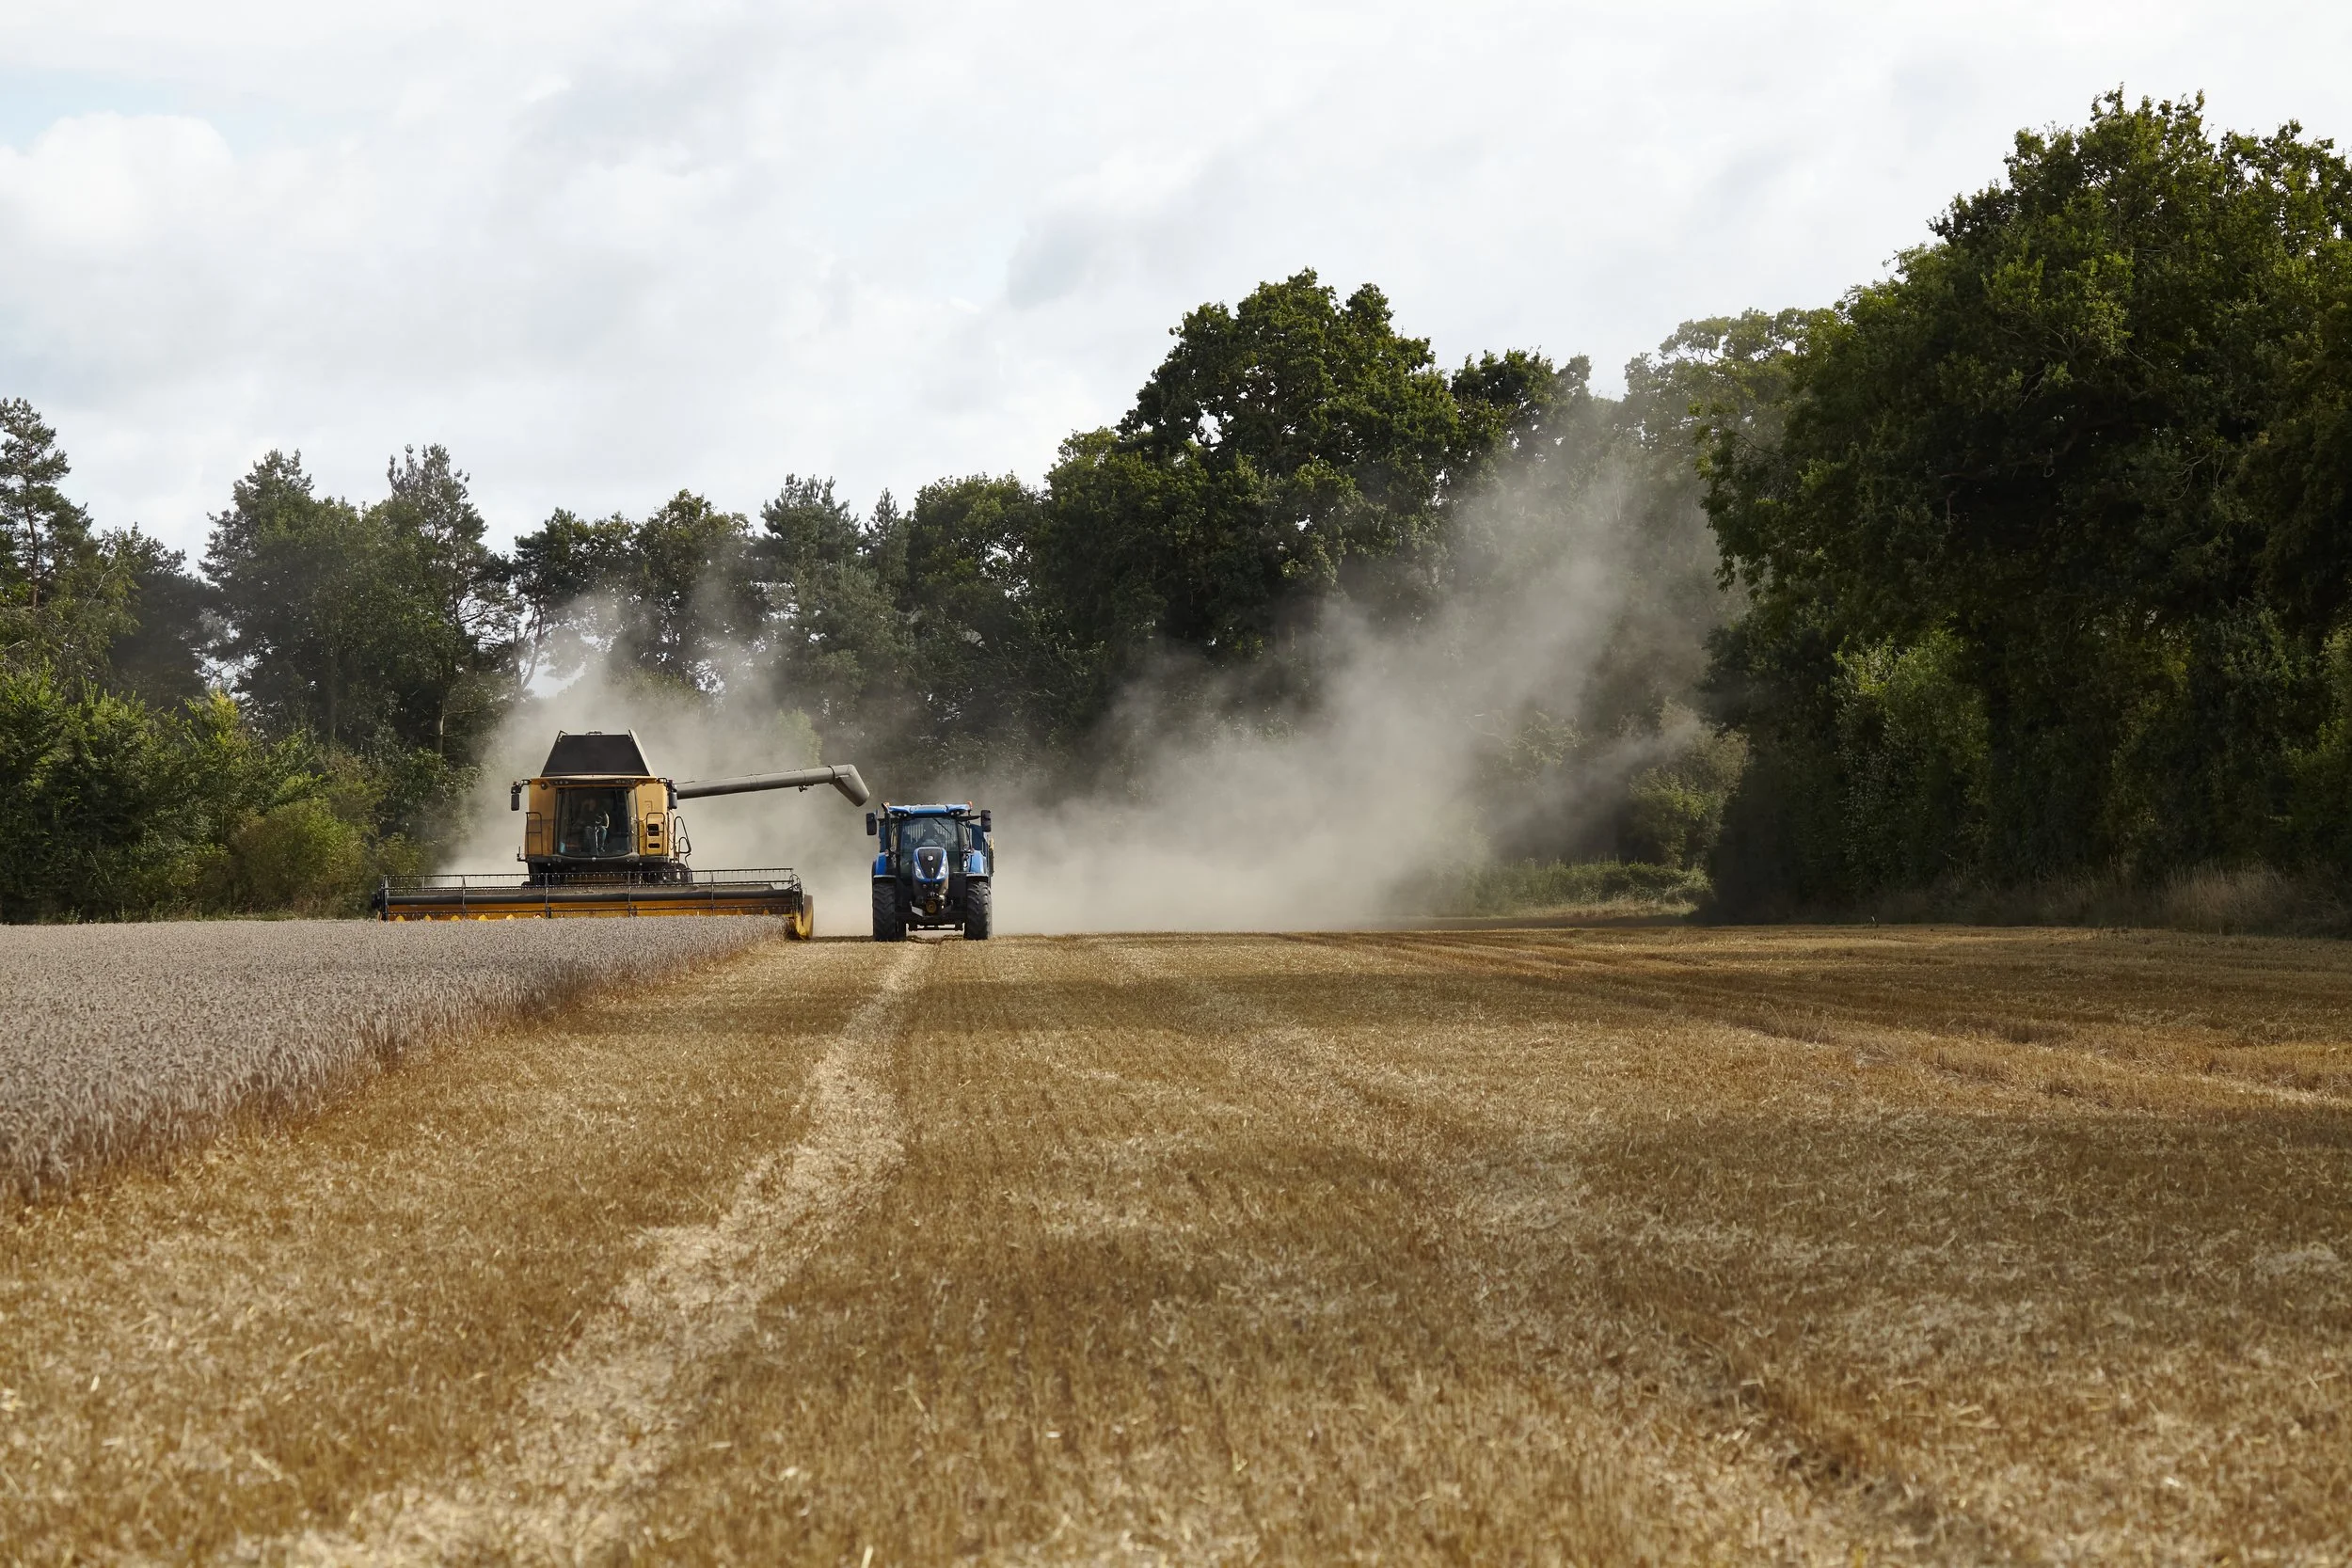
<point x="604" y="837"/>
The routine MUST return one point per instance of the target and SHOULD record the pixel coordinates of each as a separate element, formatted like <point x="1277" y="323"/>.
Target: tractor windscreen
<point x="930" y="833"/>
<point x="595" y="823"/>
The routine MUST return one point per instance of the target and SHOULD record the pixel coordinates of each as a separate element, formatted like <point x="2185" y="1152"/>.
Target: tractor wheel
<point x="978" y="918"/>
<point x="890" y="921"/>
<point x="803" y="921"/>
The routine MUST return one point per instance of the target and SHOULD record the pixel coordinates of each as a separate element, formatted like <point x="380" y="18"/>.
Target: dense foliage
<point x="2047" y="537"/>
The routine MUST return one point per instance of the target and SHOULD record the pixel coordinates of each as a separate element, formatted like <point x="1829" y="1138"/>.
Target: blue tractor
<point x="933" y="868"/>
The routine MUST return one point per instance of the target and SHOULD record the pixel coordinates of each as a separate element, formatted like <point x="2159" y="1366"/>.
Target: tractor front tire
<point x="890" y="921"/>
<point x="979" y="916"/>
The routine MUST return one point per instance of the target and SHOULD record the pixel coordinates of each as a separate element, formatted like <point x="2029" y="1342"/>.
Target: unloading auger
<point x="604" y="837"/>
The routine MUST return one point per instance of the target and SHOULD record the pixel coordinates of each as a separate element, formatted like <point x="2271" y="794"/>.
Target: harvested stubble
<point x="1557" y="1247"/>
<point x="126" y="1040"/>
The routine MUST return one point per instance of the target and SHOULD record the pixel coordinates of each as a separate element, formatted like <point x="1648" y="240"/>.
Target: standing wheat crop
<point x="128" y="1040"/>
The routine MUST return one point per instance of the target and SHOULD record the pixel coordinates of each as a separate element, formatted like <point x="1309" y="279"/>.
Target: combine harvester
<point x="604" y="838"/>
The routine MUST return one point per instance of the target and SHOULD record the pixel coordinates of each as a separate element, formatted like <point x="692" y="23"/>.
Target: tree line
<point x="305" y="710"/>
<point x="2029" y="558"/>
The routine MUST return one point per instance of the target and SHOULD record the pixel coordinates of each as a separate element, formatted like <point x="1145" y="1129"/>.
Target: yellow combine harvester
<point x="604" y="838"/>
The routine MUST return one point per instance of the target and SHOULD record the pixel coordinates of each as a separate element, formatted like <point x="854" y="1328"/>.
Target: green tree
<point x="1136" y="548"/>
<point x="87" y="808"/>
<point x="841" y="643"/>
<point x="694" y="595"/>
<point x="317" y="617"/>
<point x="1286" y="446"/>
<point x="160" y="658"/>
<point x="65" y="591"/>
<point x="1674" y="808"/>
<point x="95" y="610"/>
<point x="111" y="808"/>
<point x="41" y="533"/>
<point x="381" y="632"/>
<point x="2039" y="440"/>
<point x="675" y="597"/>
<point x="456" y="668"/>
<point x="980" y="653"/>
<point x="561" y="574"/>
<point x="383" y="629"/>
<point x="1347" y="425"/>
<point x="2299" y="473"/>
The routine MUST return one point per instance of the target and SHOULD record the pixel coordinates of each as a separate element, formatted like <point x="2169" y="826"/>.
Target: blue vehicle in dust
<point x="933" y="869"/>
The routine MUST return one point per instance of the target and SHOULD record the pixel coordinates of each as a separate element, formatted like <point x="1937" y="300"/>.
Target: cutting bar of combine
<point x="475" y="897"/>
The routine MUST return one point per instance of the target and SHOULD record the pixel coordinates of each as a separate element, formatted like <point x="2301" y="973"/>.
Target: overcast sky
<point x="603" y="250"/>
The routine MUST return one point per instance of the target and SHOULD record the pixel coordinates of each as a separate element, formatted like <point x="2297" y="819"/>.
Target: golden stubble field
<point x="1535" y="1246"/>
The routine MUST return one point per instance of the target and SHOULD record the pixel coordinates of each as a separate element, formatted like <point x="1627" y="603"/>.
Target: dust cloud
<point x="1363" y="806"/>
<point x="1362" y="803"/>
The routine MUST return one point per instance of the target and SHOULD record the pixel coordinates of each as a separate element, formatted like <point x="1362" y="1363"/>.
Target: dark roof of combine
<point x="596" y="753"/>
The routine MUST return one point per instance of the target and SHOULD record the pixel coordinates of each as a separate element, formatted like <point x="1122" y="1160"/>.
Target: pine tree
<point x="43" y="530"/>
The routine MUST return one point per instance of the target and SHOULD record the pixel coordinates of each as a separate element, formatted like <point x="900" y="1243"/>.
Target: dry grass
<point x="131" y="1040"/>
<point x="1667" y="1246"/>
<point x="1603" y="889"/>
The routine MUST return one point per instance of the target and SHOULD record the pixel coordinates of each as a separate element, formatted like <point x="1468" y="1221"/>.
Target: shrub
<point x="1675" y="811"/>
<point x="1537" y="887"/>
<point x="299" y="857"/>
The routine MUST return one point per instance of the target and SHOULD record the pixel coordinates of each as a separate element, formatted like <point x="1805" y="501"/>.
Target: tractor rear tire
<point x="979" y="916"/>
<point x="890" y="921"/>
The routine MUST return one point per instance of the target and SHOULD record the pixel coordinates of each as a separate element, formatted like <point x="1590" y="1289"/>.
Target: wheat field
<point x="1595" y="1247"/>
<point x="133" y="1039"/>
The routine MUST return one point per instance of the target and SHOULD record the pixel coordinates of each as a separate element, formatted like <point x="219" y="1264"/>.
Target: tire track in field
<point x="1644" y="983"/>
<point x="1403" y="1120"/>
<point x="601" y="1421"/>
<point x="1751" y="1509"/>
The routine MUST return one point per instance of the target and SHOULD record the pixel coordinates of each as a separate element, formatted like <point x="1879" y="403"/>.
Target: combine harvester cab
<point x="934" y="867"/>
<point x="603" y="837"/>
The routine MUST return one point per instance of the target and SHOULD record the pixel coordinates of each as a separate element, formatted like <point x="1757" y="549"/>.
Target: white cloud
<point x="604" y="249"/>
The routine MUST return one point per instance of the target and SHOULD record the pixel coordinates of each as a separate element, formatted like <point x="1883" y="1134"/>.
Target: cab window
<point x="595" y="824"/>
